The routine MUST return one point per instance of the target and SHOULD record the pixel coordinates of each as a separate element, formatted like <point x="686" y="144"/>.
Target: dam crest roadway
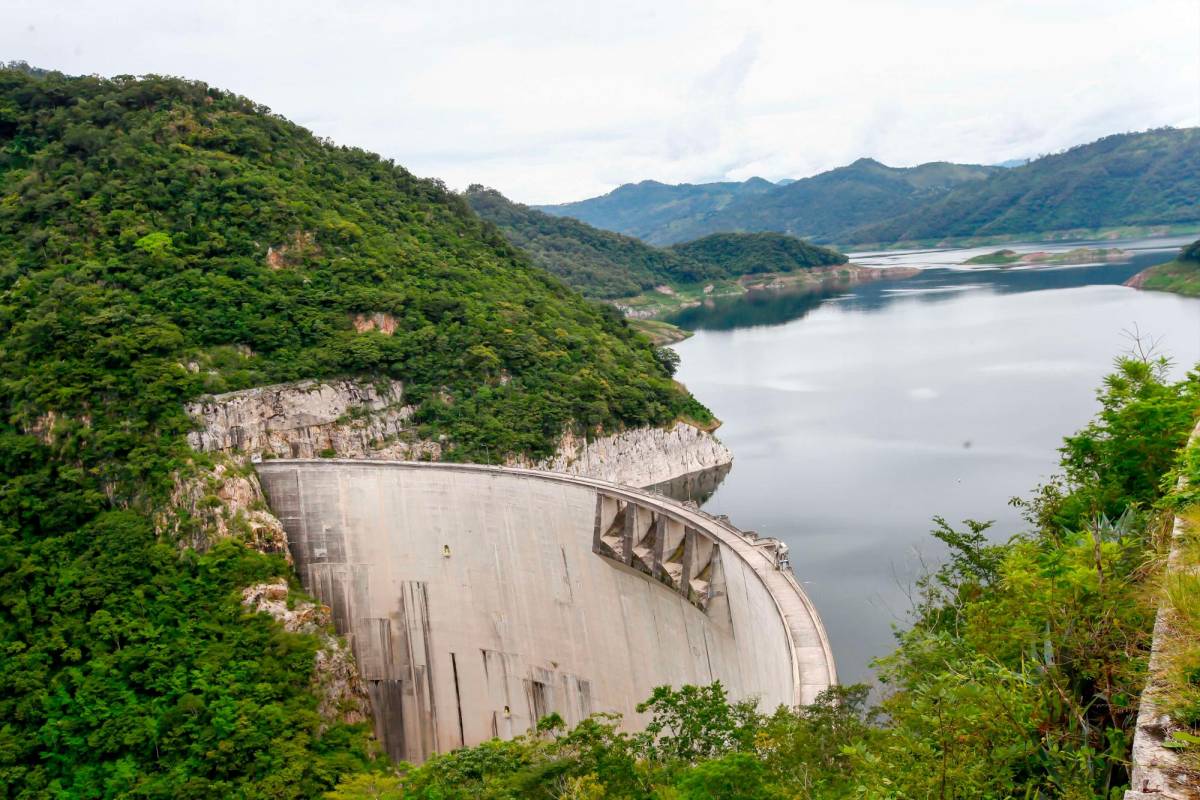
<point x="478" y="599"/>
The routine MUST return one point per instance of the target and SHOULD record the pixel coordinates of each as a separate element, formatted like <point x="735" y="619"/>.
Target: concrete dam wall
<point x="479" y="599"/>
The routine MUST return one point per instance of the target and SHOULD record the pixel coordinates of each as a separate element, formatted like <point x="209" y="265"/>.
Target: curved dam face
<point x="479" y="599"/>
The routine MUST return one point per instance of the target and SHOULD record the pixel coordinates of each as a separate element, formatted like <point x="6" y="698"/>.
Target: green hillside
<point x="1133" y="179"/>
<point x="599" y="263"/>
<point x="609" y="265"/>
<point x="1181" y="276"/>
<point x="736" y="254"/>
<point x="657" y="212"/>
<point x="160" y="239"/>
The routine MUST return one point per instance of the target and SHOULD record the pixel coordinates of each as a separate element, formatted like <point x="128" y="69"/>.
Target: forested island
<point x="1078" y="255"/>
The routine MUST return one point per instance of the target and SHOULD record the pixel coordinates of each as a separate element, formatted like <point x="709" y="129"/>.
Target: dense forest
<point x="608" y="265"/>
<point x="1134" y="179"/>
<point x="160" y="239"/>
<point x="599" y="263"/>
<point x="1019" y="676"/>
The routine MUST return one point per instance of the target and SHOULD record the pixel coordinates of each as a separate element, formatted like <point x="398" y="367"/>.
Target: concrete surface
<point x="479" y="599"/>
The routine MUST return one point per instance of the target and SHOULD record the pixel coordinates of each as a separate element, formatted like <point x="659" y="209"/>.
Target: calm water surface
<point x="856" y="417"/>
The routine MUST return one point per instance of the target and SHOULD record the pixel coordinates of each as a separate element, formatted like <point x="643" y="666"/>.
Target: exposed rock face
<point x="382" y="322"/>
<point x="307" y="419"/>
<point x="1157" y="771"/>
<point x="335" y="676"/>
<point x="357" y="419"/>
<point x="641" y="456"/>
<point x="217" y="503"/>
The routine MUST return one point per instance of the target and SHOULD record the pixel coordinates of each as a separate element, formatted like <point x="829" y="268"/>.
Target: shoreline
<point x="645" y="310"/>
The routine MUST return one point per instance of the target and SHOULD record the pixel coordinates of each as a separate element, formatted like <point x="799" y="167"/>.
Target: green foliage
<point x="597" y="262"/>
<point x="608" y="265"/>
<point x="751" y="253"/>
<point x="131" y="669"/>
<point x="1120" y="458"/>
<point x="695" y="722"/>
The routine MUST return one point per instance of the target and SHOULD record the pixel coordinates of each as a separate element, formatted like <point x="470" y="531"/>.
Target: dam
<point x="479" y="599"/>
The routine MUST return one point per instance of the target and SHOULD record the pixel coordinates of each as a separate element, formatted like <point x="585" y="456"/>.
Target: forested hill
<point x="656" y="212"/>
<point x="1134" y="179"/>
<point x="160" y="239"/>
<point x="604" y="264"/>
<point x="818" y="207"/>
<point x="750" y="253"/>
<point x="599" y="263"/>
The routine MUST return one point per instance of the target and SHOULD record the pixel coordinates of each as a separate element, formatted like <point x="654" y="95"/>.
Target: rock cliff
<point x="641" y="456"/>
<point x="359" y="419"/>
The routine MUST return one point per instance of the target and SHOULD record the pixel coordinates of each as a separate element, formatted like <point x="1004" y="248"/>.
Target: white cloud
<point x="551" y="101"/>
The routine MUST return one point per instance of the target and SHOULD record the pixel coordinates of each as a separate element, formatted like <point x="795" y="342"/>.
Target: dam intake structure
<point x="479" y="599"/>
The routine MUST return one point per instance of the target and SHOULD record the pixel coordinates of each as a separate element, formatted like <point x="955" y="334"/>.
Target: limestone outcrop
<point x="210" y="504"/>
<point x="639" y="457"/>
<point x="361" y="419"/>
<point x="308" y="419"/>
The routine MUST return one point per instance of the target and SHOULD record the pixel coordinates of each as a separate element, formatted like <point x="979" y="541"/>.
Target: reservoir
<point x="855" y="416"/>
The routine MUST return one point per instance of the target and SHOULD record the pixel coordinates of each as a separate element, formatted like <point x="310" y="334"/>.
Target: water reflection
<point x="931" y="286"/>
<point x="697" y="487"/>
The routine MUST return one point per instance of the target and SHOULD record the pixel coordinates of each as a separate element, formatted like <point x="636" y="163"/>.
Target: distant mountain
<point x="655" y="212"/>
<point x="819" y="207"/>
<point x="825" y="205"/>
<point x="1133" y="179"/>
<point x="607" y="265"/>
<point x="1136" y="179"/>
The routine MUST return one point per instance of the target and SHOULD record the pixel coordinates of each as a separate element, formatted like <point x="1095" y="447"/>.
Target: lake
<point x="857" y="416"/>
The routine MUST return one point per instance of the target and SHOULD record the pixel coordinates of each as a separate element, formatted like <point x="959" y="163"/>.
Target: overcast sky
<point x="555" y="101"/>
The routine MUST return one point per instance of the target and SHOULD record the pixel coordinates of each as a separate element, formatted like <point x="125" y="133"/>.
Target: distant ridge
<point x="659" y="213"/>
<point x="1132" y="179"/>
<point x="1126" y="180"/>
